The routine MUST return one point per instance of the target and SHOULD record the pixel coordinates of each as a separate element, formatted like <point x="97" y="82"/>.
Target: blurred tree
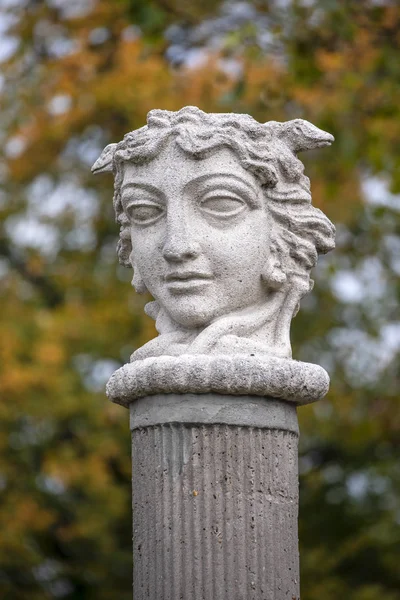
<point x="78" y="74"/>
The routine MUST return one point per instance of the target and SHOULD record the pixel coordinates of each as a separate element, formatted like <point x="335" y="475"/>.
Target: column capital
<point x="236" y="375"/>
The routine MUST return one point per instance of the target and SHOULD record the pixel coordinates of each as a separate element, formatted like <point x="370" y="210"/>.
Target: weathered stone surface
<point x="288" y="379"/>
<point x="217" y="223"/>
<point x="214" y="409"/>
<point x="215" y="505"/>
<point x="216" y="220"/>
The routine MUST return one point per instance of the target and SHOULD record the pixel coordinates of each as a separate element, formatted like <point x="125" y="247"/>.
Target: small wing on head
<point x="299" y="135"/>
<point x="302" y="135"/>
<point x="105" y="161"/>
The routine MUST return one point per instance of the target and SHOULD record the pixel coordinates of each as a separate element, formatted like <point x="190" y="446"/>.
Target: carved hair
<point x="268" y="150"/>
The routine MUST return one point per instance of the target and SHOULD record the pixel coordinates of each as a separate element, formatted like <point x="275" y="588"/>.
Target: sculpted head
<point x="216" y="220"/>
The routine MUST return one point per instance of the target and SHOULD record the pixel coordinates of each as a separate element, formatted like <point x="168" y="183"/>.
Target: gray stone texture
<point x="215" y="505"/>
<point x="290" y="380"/>
<point x="217" y="223"/>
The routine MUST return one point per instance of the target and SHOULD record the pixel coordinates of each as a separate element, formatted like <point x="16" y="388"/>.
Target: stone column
<point x="216" y="221"/>
<point x="215" y="498"/>
<point x="215" y="478"/>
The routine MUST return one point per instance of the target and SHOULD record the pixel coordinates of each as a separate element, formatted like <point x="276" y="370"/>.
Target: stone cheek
<point x="217" y="223"/>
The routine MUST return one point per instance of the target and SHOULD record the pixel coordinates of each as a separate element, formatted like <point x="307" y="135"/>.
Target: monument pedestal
<point x="215" y="498"/>
<point x="215" y="477"/>
<point x="216" y="220"/>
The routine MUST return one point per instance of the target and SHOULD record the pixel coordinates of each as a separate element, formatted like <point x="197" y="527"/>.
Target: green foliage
<point x="81" y="76"/>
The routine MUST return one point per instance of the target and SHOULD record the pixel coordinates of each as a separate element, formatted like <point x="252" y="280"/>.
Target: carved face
<point x="200" y="233"/>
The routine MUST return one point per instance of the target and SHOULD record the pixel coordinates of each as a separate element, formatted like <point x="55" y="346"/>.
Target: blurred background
<point x="77" y="75"/>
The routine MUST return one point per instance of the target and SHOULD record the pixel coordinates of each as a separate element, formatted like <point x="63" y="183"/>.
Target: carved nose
<point x="180" y="245"/>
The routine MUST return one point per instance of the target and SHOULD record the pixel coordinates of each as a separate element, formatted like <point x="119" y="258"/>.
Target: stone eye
<point x="222" y="206"/>
<point x="145" y="213"/>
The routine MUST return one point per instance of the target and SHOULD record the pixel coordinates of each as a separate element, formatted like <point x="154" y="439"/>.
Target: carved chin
<point x="191" y="319"/>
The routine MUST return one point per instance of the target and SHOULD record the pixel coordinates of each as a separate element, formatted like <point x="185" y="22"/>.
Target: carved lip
<point x="187" y="281"/>
<point x="180" y="276"/>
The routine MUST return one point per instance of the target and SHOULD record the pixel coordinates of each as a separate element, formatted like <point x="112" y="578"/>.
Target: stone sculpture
<point x="216" y="220"/>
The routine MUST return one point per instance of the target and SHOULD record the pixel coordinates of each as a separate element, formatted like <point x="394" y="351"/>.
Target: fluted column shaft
<point x="215" y="498"/>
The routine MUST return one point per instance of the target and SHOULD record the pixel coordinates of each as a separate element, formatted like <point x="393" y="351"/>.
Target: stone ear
<point x="273" y="275"/>
<point x="138" y="282"/>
